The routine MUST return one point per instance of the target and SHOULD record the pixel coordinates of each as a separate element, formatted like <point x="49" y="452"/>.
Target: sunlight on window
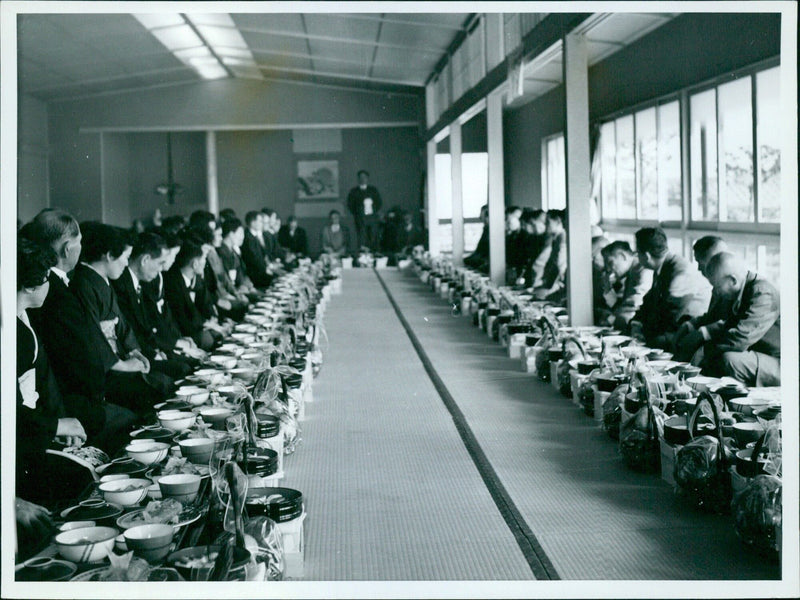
<point x="768" y="132"/>
<point x="703" y="151"/>
<point x="736" y="152"/>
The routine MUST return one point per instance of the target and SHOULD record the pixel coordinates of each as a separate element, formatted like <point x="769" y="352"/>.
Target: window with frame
<point x="728" y="181"/>
<point x="640" y="165"/>
<point x="554" y="173"/>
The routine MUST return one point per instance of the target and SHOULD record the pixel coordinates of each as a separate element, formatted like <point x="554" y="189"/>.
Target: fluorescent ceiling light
<point x="222" y="36"/>
<point x="219" y="19"/>
<point x="215" y="71"/>
<point x="223" y="52"/>
<point x="177" y="38"/>
<point x="190" y="53"/>
<point x="152" y="21"/>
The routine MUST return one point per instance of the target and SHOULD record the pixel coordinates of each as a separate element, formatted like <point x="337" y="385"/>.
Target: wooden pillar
<point x="457" y="193"/>
<point x="578" y="165"/>
<point x="430" y="201"/>
<point x="211" y="172"/>
<point x="497" y="203"/>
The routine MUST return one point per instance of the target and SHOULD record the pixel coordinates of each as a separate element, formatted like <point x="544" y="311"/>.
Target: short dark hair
<point x="291" y="219"/>
<point x="230" y="226"/>
<point x="173" y="224"/>
<point x="201" y="218"/>
<point x="188" y="252"/>
<point x="512" y="208"/>
<point x="227" y="213"/>
<point x="172" y="240"/>
<point x="268" y="211"/>
<point x="50" y="226"/>
<point x="364" y="171"/>
<point x="617" y="247"/>
<point x="199" y="235"/>
<point x="334" y="212"/>
<point x="557" y="215"/>
<point x="705" y="244"/>
<point x="100" y="239"/>
<point x="151" y="244"/>
<point x="251" y="216"/>
<point x="34" y="260"/>
<point x="652" y="240"/>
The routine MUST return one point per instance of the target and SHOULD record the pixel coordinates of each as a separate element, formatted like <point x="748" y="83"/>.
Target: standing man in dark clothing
<point x="364" y="202"/>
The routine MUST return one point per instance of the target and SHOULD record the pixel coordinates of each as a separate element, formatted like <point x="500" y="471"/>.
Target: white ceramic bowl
<point x="87" y="544"/>
<point x="192" y="394"/>
<point x="226" y="362"/>
<point x="215" y="414"/>
<point x="232" y="349"/>
<point x="147" y="454"/>
<point x="120" y="492"/>
<point x="211" y="376"/>
<point x="70" y="525"/>
<point x="197" y="450"/>
<point x="184" y="487"/>
<point x="176" y="420"/>
<point x="245" y="374"/>
<point x="229" y="391"/>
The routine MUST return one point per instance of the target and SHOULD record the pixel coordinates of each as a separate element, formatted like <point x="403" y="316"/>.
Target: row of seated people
<point x="107" y="321"/>
<point x="717" y="315"/>
<point x="721" y="317"/>
<point x="536" y="251"/>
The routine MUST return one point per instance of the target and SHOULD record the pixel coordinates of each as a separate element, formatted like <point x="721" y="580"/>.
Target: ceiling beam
<point x="341" y="40"/>
<point x="110" y="78"/>
<point x="417" y="84"/>
<point x="345" y="61"/>
<point x="386" y="19"/>
<point x="375" y="49"/>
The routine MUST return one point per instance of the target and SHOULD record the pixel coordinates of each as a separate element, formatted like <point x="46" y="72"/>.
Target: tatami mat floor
<point x="390" y="490"/>
<point x="594" y="518"/>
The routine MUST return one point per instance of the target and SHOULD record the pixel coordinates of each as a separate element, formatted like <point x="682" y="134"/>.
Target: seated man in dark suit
<point x="186" y="296"/>
<point x="688" y="338"/>
<point x="253" y="251"/>
<point x="71" y="339"/>
<point x="631" y="282"/>
<point x="746" y="345"/>
<point x="148" y="254"/>
<point x="479" y="259"/>
<point x="678" y="290"/>
<point x="293" y="237"/>
<point x="129" y="380"/>
<point x="230" y="254"/>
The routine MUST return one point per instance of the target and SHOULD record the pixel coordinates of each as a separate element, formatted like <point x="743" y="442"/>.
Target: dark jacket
<point x="100" y="303"/>
<point x="254" y="259"/>
<point x="133" y="307"/>
<point x="272" y="247"/>
<point x="479" y="259"/>
<point x="184" y="309"/>
<point x="355" y="202"/>
<point x="159" y="313"/>
<point x="233" y="265"/>
<point x="678" y="289"/>
<point x="77" y="350"/>
<point x="297" y="243"/>
<point x="754" y="320"/>
<point x="36" y="425"/>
